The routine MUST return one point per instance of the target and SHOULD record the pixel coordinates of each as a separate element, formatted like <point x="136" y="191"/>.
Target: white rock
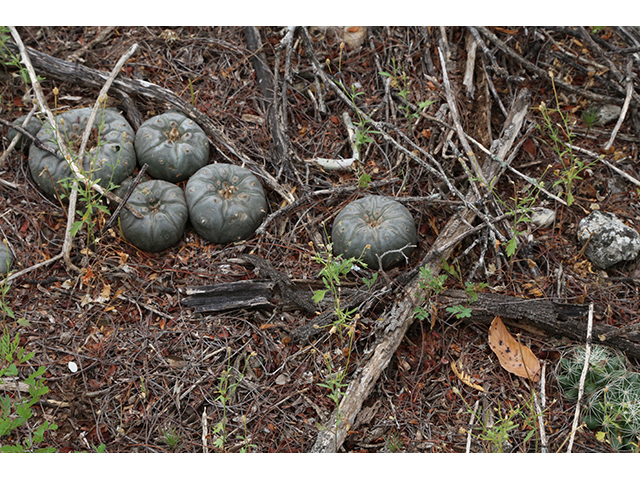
<point x="542" y="217"/>
<point x="609" y="240"/>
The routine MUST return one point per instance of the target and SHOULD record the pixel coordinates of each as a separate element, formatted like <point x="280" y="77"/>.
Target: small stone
<point x="606" y="114"/>
<point x="6" y="257"/>
<point x="609" y="240"/>
<point x="542" y="217"/>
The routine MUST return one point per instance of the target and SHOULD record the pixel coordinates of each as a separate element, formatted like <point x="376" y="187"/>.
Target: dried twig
<point x="625" y="106"/>
<point x="66" y="153"/>
<point x="22" y="130"/>
<point x="456" y="120"/>
<point x="583" y="377"/>
<point x="132" y="187"/>
<point x="539" y="405"/>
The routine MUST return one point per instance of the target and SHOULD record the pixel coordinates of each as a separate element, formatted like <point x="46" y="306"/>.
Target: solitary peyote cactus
<point x="611" y="394"/>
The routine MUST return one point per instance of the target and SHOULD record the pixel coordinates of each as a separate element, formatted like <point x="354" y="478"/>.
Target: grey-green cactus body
<point x="111" y="160"/>
<point x="173" y="146"/>
<point x="226" y="203"/>
<point x="165" y="216"/>
<point x="375" y="227"/>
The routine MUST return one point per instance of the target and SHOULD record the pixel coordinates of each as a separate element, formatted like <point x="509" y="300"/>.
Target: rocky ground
<point x="155" y="375"/>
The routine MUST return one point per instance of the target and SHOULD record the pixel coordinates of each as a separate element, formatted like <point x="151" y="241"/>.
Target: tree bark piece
<point x="287" y="290"/>
<point x="228" y="296"/>
<point x="401" y="315"/>
<point x="543" y="316"/>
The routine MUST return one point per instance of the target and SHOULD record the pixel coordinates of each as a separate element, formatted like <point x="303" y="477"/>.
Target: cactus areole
<point x="375" y="227"/>
<point x="226" y="203"/>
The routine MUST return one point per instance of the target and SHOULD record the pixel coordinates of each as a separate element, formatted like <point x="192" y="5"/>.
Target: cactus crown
<point x="611" y="393"/>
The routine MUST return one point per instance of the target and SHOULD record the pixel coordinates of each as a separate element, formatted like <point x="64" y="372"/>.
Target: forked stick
<point x="64" y="149"/>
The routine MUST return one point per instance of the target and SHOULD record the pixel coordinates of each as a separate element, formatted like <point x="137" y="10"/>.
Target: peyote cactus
<point x="379" y="230"/>
<point x="611" y="394"/>
<point x="165" y="214"/>
<point x="110" y="157"/>
<point x="6" y="258"/>
<point x="174" y="146"/>
<point x="226" y="203"/>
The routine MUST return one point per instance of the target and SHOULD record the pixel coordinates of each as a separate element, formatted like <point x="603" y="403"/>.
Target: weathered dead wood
<point x="229" y="296"/>
<point x="269" y="89"/>
<point x="401" y="316"/>
<point x="287" y="289"/>
<point x="544" y="317"/>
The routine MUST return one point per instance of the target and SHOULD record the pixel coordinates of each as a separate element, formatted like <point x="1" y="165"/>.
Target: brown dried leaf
<point x="175" y="361"/>
<point x="464" y="376"/>
<point x="514" y="357"/>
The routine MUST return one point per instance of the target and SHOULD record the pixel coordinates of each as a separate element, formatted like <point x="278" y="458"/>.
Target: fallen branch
<point x="625" y="107"/>
<point x="401" y="316"/>
<point x="583" y="377"/>
<point x="456" y="120"/>
<point x="269" y="88"/>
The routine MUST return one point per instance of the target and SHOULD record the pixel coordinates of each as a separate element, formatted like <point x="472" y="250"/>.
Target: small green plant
<point x="9" y="59"/>
<point x="246" y="448"/>
<point x="227" y="387"/>
<point x="100" y="448"/>
<point x="193" y="95"/>
<point x="562" y="143"/>
<point x="19" y="432"/>
<point x="370" y="281"/>
<point x="334" y="381"/>
<point x="364" y="131"/>
<point x="521" y="212"/>
<point x="590" y="117"/>
<point x="400" y="80"/>
<point x="471" y="289"/>
<point x="498" y="433"/>
<point x="333" y="269"/>
<point x="611" y="394"/>
<point x="393" y="443"/>
<point x="431" y="284"/>
<point x="364" y="180"/>
<point x="171" y="438"/>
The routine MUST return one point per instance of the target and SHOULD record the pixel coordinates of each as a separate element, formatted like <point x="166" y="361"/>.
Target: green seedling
<point x="561" y="137"/>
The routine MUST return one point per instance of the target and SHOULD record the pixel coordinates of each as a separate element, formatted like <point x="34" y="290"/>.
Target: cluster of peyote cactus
<point x="611" y="394"/>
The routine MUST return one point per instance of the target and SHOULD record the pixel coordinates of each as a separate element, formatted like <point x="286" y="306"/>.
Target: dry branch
<point x="401" y="316"/>
<point x="269" y="89"/>
<point x="73" y="162"/>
